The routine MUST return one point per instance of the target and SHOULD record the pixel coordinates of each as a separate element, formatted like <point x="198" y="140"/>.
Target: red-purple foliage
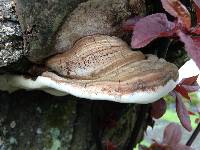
<point x="157" y="25"/>
<point x="178" y="10"/>
<point x="197" y="9"/>
<point x="171" y="140"/>
<point x="182" y="89"/>
<point x="190" y="84"/>
<point x="192" y="45"/>
<point x="182" y="113"/>
<point x="129" y="24"/>
<point x="151" y="27"/>
<point x="158" y="108"/>
<point x="197" y="2"/>
<point x="189" y="81"/>
<point x="185" y="85"/>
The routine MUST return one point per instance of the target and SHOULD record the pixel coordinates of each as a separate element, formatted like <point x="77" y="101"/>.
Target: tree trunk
<point x="38" y="121"/>
<point x="35" y="120"/>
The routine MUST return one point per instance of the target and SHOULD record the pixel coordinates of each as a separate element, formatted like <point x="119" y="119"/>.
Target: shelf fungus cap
<point x="101" y="67"/>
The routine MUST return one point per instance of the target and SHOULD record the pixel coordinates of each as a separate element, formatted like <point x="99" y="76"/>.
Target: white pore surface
<point x="11" y="83"/>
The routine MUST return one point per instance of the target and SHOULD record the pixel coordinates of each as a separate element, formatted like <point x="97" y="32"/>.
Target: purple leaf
<point x="192" y="46"/>
<point x="172" y="134"/>
<point x="197" y="9"/>
<point x="178" y="10"/>
<point x="151" y="27"/>
<point x="191" y="88"/>
<point x="130" y="23"/>
<point x="173" y="94"/>
<point x="196" y="29"/>
<point x="191" y="113"/>
<point x="180" y="89"/>
<point x="182" y="113"/>
<point x="189" y="81"/>
<point x="197" y="2"/>
<point x="171" y="140"/>
<point x="158" y="108"/>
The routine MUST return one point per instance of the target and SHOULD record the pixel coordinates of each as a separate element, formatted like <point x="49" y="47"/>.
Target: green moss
<point x="47" y="142"/>
<point x="56" y="143"/>
<point x="58" y="115"/>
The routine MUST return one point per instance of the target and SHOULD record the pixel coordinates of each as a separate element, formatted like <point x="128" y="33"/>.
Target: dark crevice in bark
<point x="95" y="127"/>
<point x="141" y="121"/>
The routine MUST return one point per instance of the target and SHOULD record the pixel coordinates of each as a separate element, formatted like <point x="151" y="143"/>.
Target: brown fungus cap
<point x="101" y="67"/>
<point x="104" y="67"/>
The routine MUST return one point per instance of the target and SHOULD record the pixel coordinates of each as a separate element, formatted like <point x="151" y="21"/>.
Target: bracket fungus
<point x="101" y="67"/>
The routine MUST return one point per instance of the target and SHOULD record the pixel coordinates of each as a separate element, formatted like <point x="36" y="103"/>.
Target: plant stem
<point x="166" y="48"/>
<point x="193" y="136"/>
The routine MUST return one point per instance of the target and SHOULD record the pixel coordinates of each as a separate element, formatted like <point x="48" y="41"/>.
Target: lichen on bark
<point x="38" y="121"/>
<point x="11" y="42"/>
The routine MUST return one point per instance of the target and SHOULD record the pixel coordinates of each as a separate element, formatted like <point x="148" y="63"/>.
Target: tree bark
<point x="38" y="121"/>
<point x="11" y="41"/>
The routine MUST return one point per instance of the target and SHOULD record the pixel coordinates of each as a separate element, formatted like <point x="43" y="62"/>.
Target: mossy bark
<point x="39" y="121"/>
<point x="11" y="41"/>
